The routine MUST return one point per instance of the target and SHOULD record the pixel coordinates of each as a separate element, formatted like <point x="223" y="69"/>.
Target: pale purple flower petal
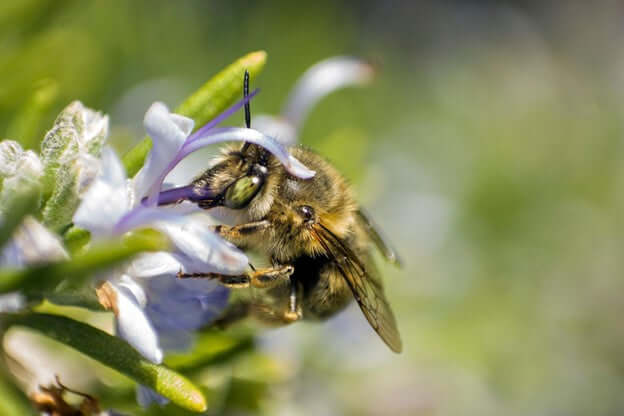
<point x="204" y="251"/>
<point x="178" y="307"/>
<point x="142" y="216"/>
<point x="276" y="126"/>
<point x="221" y="117"/>
<point x="146" y="396"/>
<point x="132" y="324"/>
<point x="147" y="265"/>
<point x="106" y="201"/>
<point x="208" y="135"/>
<point x="168" y="132"/>
<point x="32" y="243"/>
<point x="292" y="165"/>
<point x="316" y="83"/>
<point x="321" y="79"/>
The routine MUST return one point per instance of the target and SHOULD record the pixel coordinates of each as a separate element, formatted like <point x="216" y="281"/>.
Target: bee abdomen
<point x="324" y="290"/>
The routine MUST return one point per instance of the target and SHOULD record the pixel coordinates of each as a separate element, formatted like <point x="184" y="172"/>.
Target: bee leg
<point x="237" y="233"/>
<point x="294" y="312"/>
<point x="261" y="278"/>
<point x="267" y="314"/>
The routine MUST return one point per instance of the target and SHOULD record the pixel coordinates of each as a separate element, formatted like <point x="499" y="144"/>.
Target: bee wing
<point x="367" y="289"/>
<point x="382" y="244"/>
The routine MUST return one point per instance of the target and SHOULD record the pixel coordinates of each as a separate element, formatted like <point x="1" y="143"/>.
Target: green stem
<point x="114" y="353"/>
<point x="43" y="278"/>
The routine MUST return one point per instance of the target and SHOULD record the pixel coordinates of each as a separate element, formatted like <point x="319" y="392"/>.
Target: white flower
<point x="153" y="309"/>
<point x="169" y="131"/>
<point x="316" y="83"/>
<point x="32" y="243"/>
<point x="105" y="206"/>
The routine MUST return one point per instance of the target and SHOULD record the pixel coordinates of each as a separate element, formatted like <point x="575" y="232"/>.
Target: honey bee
<point x="312" y="231"/>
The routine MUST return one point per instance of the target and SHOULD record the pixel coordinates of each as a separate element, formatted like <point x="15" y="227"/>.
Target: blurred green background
<point x="489" y="149"/>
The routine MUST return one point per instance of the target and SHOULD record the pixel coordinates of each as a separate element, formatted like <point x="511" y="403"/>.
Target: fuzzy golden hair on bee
<point x="311" y="231"/>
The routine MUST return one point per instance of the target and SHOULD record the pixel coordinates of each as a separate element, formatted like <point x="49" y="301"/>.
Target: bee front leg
<point x="236" y="234"/>
<point x="261" y="278"/>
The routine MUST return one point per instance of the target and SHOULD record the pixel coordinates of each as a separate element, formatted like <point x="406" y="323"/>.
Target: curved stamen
<point x="218" y="119"/>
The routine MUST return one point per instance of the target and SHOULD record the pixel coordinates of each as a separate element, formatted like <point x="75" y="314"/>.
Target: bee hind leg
<point x="272" y="315"/>
<point x="261" y="278"/>
<point x="284" y="315"/>
<point x="294" y="312"/>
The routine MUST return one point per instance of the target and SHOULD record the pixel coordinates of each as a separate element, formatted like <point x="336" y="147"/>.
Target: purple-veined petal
<point x="320" y="80"/>
<point x="204" y="251"/>
<point x="142" y="216"/>
<point x="152" y="191"/>
<point x="148" y="265"/>
<point x="32" y="243"/>
<point x="132" y="324"/>
<point x="128" y="282"/>
<point x="221" y="117"/>
<point x="276" y="126"/>
<point x="168" y="132"/>
<point x="106" y="200"/>
<point x="177" y="305"/>
<point x="292" y="165"/>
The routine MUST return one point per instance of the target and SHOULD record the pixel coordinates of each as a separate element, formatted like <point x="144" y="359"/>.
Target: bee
<point x="312" y="231"/>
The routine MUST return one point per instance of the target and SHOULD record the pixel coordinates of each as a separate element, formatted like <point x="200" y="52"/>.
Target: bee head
<point x="235" y="180"/>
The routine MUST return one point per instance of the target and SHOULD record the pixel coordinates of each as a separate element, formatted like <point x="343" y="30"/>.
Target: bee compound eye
<point x="307" y="212"/>
<point x="239" y="194"/>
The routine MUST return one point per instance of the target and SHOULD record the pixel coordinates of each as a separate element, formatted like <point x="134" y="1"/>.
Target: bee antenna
<point x="247" y="107"/>
<point x="245" y="95"/>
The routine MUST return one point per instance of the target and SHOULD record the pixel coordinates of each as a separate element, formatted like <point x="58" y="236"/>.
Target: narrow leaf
<point x="206" y="103"/>
<point x="13" y="401"/>
<point x="76" y="238"/>
<point x="44" y="278"/>
<point x="115" y="353"/>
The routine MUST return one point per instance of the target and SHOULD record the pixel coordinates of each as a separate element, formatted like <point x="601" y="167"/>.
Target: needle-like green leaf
<point x="115" y="353"/>
<point x="40" y="279"/>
